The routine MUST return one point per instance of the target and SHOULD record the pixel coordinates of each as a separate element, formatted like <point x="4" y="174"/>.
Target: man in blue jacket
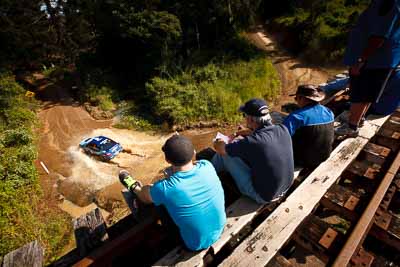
<point x="311" y="127"/>
<point x="373" y="54"/>
<point x="192" y="194"/>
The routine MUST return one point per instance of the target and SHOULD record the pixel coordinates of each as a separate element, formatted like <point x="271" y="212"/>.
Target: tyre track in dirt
<point x="292" y="71"/>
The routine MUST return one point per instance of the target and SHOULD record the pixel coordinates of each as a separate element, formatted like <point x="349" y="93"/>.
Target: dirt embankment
<point x="292" y="71"/>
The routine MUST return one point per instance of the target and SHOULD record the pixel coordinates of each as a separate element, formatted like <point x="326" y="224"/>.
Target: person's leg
<point x="240" y="172"/>
<point x="170" y="227"/>
<point x="166" y="220"/>
<point x="218" y="162"/>
<point x="357" y="112"/>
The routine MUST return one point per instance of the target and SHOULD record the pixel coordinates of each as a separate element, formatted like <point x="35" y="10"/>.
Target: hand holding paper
<point x="222" y="137"/>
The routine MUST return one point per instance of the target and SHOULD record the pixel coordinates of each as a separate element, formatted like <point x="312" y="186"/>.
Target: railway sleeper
<point x="319" y="238"/>
<point x="362" y="258"/>
<point x="375" y="153"/>
<point x="364" y="168"/>
<point x="343" y="201"/>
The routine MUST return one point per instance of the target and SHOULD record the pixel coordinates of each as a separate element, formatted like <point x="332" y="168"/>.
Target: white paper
<point x="223" y="137"/>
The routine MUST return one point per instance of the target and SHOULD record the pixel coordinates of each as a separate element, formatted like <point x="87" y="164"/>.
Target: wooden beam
<point x="261" y="246"/>
<point x="90" y="231"/>
<point x="29" y="255"/>
<point x="239" y="214"/>
<point x="118" y="246"/>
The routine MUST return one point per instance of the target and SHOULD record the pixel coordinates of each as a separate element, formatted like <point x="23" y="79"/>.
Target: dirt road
<point x="292" y="71"/>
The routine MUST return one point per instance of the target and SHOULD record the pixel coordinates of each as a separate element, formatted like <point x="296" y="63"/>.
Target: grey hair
<point x="264" y="120"/>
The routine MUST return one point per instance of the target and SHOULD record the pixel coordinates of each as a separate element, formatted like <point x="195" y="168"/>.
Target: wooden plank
<point x="364" y="168"/>
<point x="394" y="227"/>
<point x="104" y="255"/>
<point x="181" y="257"/>
<point x="279" y="261"/>
<point x="376" y="153"/>
<point x="385" y="236"/>
<point x="366" y="220"/>
<point x="259" y="248"/>
<point x="90" y="231"/>
<point x="362" y="258"/>
<point x="239" y="214"/>
<point x="30" y="255"/>
<point x="388" y="141"/>
<point x="377" y="120"/>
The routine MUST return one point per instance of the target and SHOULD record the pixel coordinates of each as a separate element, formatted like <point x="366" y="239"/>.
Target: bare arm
<point x="143" y="193"/>
<point x="219" y="146"/>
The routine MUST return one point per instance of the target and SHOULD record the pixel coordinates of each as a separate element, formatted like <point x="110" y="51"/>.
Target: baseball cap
<point x="255" y="107"/>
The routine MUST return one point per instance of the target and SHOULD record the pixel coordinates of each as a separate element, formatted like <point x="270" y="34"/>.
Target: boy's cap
<point x="178" y="150"/>
<point x="255" y="107"/>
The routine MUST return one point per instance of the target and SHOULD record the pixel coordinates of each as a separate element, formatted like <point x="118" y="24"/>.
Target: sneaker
<point x="345" y="129"/>
<point x="126" y="179"/>
<point x="344" y="118"/>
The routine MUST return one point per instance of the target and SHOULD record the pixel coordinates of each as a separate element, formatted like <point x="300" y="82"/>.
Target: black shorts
<point x="365" y="87"/>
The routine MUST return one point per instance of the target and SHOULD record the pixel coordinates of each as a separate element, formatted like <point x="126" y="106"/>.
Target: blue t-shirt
<point x="372" y="23"/>
<point x="309" y="115"/>
<point x="195" y="201"/>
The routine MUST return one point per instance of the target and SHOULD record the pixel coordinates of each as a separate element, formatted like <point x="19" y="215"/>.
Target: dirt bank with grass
<point x="293" y="71"/>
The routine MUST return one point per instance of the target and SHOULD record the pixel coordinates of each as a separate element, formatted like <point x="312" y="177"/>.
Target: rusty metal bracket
<point x="372" y="171"/>
<point x="383" y="220"/>
<point x="327" y="238"/>
<point x="351" y="202"/>
<point x="362" y="258"/>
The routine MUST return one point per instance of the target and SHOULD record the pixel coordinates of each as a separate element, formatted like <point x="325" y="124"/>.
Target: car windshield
<point x="107" y="144"/>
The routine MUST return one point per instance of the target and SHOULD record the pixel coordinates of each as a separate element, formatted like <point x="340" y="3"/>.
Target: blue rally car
<point x="101" y="146"/>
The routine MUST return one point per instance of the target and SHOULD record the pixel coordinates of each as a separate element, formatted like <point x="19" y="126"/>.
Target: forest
<point x="178" y="62"/>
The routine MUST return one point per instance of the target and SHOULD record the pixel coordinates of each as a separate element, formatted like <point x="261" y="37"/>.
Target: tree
<point x="25" y="33"/>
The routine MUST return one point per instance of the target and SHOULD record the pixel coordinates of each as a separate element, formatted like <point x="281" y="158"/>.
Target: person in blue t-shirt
<point x="373" y="54"/>
<point x="260" y="160"/>
<point x="311" y="127"/>
<point x="192" y="194"/>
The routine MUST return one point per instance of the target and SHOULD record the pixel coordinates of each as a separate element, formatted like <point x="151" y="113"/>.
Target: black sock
<point x="353" y="127"/>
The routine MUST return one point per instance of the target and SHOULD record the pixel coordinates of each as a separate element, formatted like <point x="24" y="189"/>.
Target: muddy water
<point x="92" y="180"/>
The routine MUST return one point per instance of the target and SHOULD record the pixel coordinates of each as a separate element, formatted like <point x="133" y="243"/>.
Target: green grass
<point x="101" y="96"/>
<point x="24" y="216"/>
<point x="213" y="92"/>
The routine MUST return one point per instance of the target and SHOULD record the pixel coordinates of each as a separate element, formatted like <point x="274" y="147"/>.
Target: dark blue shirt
<point x="268" y="152"/>
<point x="373" y="23"/>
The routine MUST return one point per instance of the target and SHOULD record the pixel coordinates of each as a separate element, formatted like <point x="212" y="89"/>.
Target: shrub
<point x="24" y="215"/>
<point x="213" y="91"/>
<point x="322" y="27"/>
<point x="100" y="96"/>
<point x="16" y="137"/>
